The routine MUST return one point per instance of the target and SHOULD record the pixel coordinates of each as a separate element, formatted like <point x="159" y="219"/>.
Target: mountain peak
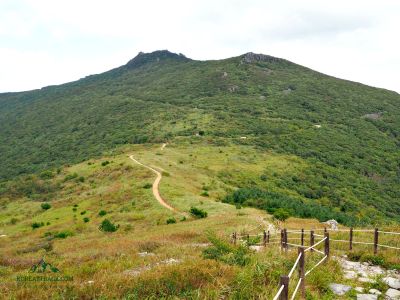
<point x="255" y="57"/>
<point x="155" y="56"/>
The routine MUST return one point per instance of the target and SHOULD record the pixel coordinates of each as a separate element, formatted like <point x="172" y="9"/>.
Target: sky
<point x="48" y="42"/>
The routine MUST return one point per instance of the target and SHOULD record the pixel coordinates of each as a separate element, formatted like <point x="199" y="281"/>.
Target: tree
<point x="281" y="214"/>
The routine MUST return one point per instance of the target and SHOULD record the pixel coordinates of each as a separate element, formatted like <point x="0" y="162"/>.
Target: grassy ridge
<point x="350" y="159"/>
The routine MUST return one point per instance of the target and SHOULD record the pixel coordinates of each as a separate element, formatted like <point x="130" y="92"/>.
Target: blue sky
<point x="45" y="42"/>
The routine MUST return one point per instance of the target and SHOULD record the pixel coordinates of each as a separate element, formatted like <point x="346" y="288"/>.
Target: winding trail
<point x="156" y="183"/>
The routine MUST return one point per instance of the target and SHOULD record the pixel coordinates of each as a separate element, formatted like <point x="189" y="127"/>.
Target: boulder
<point x="392" y="294"/>
<point x="392" y="282"/>
<point x="365" y="279"/>
<point x="367" y="297"/>
<point x="339" y="289"/>
<point x="375" y="292"/>
<point x="333" y="223"/>
<point x="350" y="275"/>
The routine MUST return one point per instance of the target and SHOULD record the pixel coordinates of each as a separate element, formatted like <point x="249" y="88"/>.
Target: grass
<point x="100" y="263"/>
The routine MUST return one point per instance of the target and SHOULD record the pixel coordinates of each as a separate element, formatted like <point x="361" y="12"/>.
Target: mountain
<point x="348" y="133"/>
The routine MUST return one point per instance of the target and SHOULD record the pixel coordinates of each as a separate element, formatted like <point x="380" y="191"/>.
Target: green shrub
<point x="62" y="234"/>
<point x="74" y="209"/>
<point x="70" y="176"/>
<point x="105" y="163"/>
<point x="102" y="213"/>
<point x="198" y="213"/>
<point x="222" y="250"/>
<point x="281" y="214"/>
<point x="83" y="212"/>
<point x="204" y="194"/>
<point x="86" y="219"/>
<point x="81" y="179"/>
<point x="37" y="225"/>
<point x="107" y="226"/>
<point x="46" y="175"/>
<point x="171" y="221"/>
<point x="147" y="186"/>
<point x="45" y="206"/>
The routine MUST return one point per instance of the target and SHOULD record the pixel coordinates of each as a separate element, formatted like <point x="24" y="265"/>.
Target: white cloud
<point x="45" y="42"/>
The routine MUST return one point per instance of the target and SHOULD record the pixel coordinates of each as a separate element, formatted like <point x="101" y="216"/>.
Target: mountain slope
<point x="346" y="131"/>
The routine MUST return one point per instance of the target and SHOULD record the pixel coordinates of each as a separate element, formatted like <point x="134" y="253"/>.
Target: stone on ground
<point x="375" y="292"/>
<point x="367" y="297"/>
<point x="392" y="294"/>
<point x="394" y="283"/>
<point x="339" y="289"/>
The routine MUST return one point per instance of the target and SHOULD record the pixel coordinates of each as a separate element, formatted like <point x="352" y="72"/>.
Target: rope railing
<point x="388" y="232"/>
<point x="296" y="289"/>
<point x="316" y="244"/>
<point x="283" y="292"/>
<point x="316" y="265"/>
<point x="295" y="265"/>
<point x="279" y="292"/>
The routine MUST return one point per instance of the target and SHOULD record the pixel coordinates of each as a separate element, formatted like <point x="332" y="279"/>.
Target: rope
<point x="294" y="245"/>
<point x="388" y="232"/>
<point x="316" y="250"/>
<point x="316" y="265"/>
<point x="296" y="289"/>
<point x="279" y="292"/>
<point x="316" y="244"/>
<point x="295" y="265"/>
<point x="391" y="247"/>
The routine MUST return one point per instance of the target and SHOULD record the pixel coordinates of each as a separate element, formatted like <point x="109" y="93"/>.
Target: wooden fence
<point x="326" y="240"/>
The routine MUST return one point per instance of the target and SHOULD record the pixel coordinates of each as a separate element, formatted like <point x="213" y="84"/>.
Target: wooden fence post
<point x="248" y="240"/>
<point x="327" y="244"/>
<point x="285" y="237"/>
<point x="285" y="292"/>
<point x="268" y="237"/>
<point x="325" y="231"/>
<point x="302" y="272"/>
<point x="376" y="241"/>
<point x="282" y="239"/>
<point x="302" y="237"/>
<point x="312" y="239"/>
<point x="265" y="238"/>
<point x="234" y="238"/>
<point x="351" y="239"/>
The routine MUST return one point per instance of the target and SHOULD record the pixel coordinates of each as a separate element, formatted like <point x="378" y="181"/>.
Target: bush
<point x="105" y="163"/>
<point x="102" y="213"/>
<point x="223" y="251"/>
<point x="83" y="212"/>
<point x="107" y="226"/>
<point x="70" y="176"/>
<point x="45" y="206"/>
<point x="281" y="214"/>
<point x="147" y="186"/>
<point x="86" y="219"/>
<point x="37" y="225"/>
<point x="62" y="234"/>
<point x="46" y="175"/>
<point x="204" y="194"/>
<point x="81" y="179"/>
<point x="171" y="221"/>
<point x="198" y="213"/>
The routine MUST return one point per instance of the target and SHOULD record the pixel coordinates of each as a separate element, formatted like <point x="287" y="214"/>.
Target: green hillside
<point x="344" y="135"/>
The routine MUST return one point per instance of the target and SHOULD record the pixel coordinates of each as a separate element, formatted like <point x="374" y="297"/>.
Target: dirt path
<point x="156" y="183"/>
